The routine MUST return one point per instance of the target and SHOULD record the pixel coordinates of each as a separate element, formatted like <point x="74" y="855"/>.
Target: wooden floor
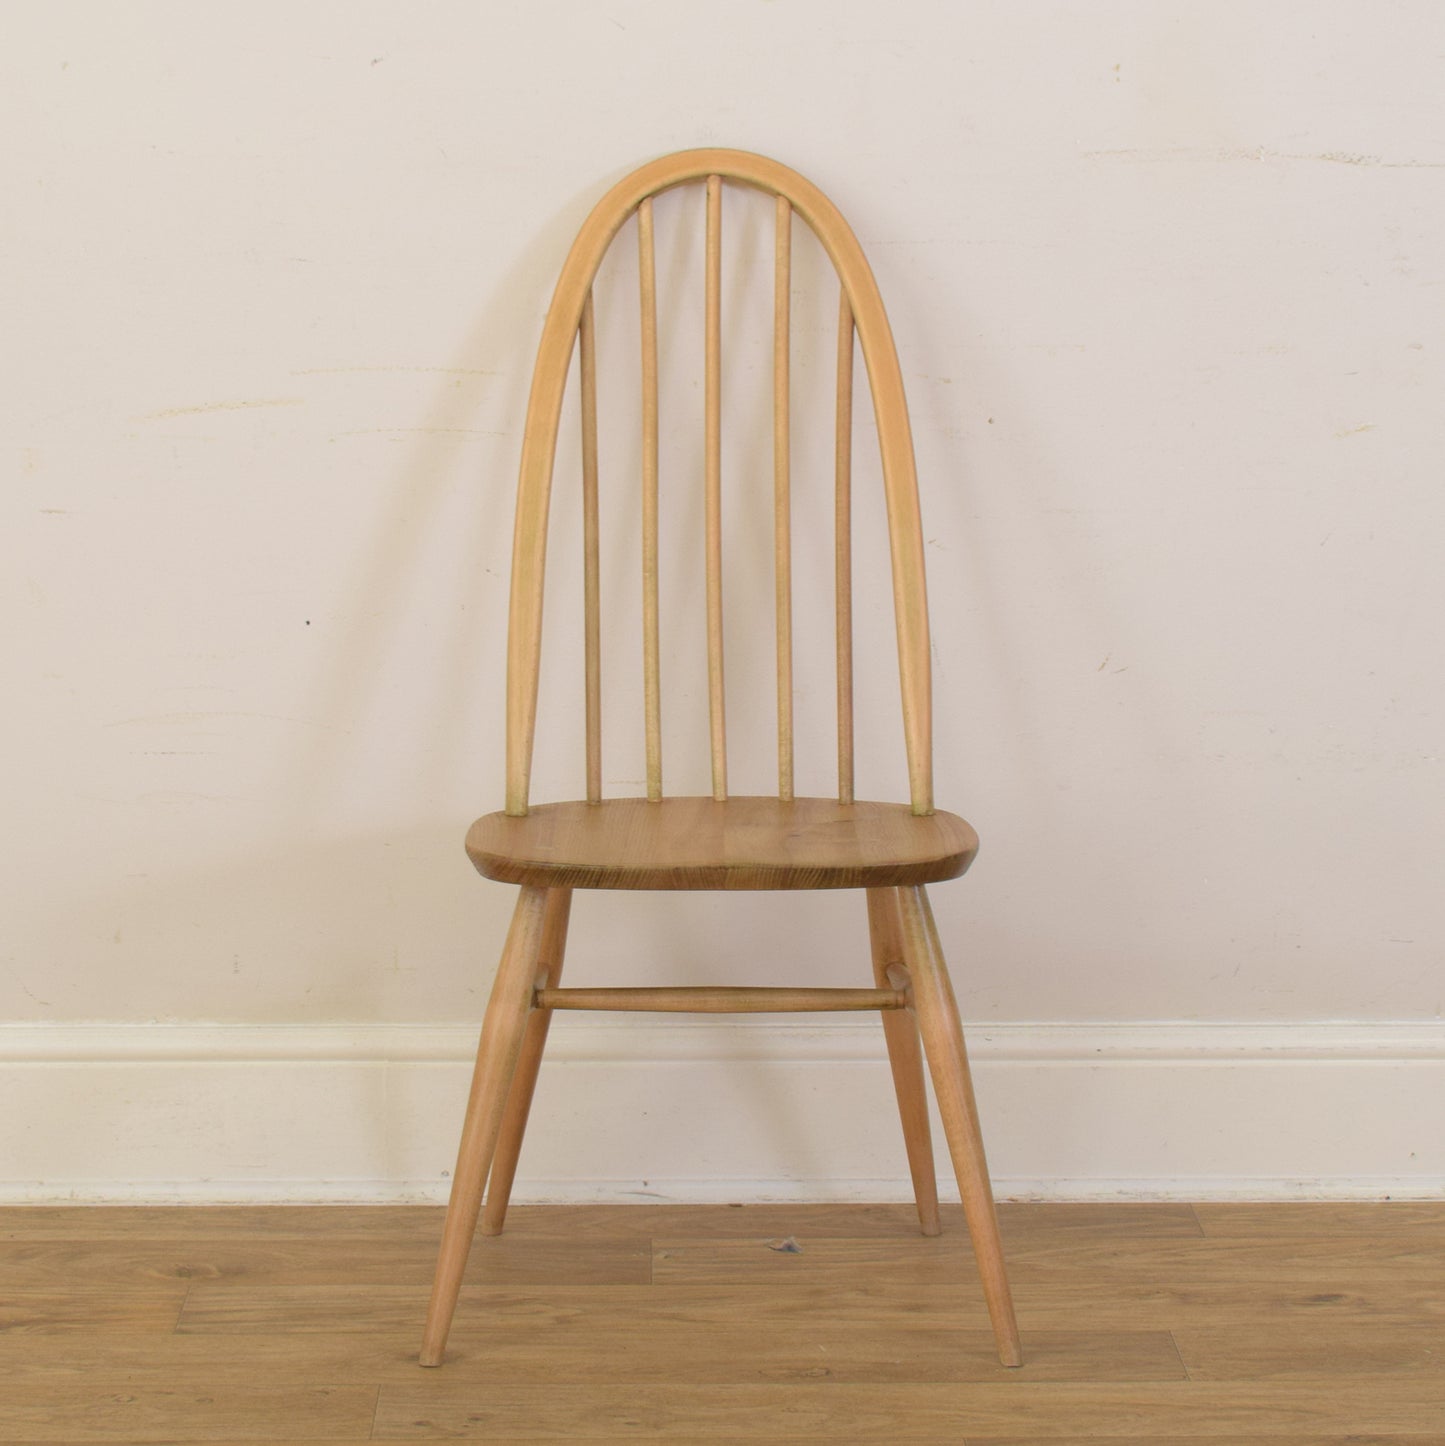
<point x="1247" y="1324"/>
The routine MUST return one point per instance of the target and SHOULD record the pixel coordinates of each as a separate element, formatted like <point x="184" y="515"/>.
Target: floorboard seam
<point x="375" y="1412"/>
<point x="1183" y="1364"/>
<point x="181" y="1310"/>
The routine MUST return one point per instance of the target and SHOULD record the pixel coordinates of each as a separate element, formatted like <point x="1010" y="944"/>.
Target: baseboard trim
<point x="779" y="1109"/>
<point x="687" y="1191"/>
<point x="580" y="1038"/>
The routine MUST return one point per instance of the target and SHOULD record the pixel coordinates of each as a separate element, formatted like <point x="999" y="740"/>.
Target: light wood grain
<point x="1301" y="1260"/>
<point x="1206" y="1434"/>
<point x="943" y="1044"/>
<point x="637" y="1347"/>
<point x="1321" y="1276"/>
<point x="1299" y="1350"/>
<point x="719" y="843"/>
<point x="651" y="662"/>
<point x="713" y="484"/>
<point x="100" y="1408"/>
<point x="1021" y="1221"/>
<point x="782" y="486"/>
<point x="1051" y="1439"/>
<point x="574" y="1338"/>
<point x="742" y="843"/>
<point x="407" y="1265"/>
<point x="1326" y="1220"/>
<point x="1041" y="1222"/>
<point x="727" y="999"/>
<point x="905" y="1056"/>
<point x="1153" y="1411"/>
<point x="559" y="1303"/>
<point x="875" y="338"/>
<point x="1305" y="1268"/>
<point x="894" y="1291"/>
<point x="843" y="547"/>
<point x="592" y="624"/>
<point x="100" y="1223"/>
<point x="151" y="1264"/>
<point x="41" y="1309"/>
<point x="909" y="1259"/>
<point x="529" y="1061"/>
<point x="501" y="1041"/>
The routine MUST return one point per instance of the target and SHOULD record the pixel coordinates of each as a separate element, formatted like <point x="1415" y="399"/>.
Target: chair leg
<point x="948" y="1061"/>
<point x="497" y="1052"/>
<point x="524" y="1079"/>
<point x="900" y="1029"/>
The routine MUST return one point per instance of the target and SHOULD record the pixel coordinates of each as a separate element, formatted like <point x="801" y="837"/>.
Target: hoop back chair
<point x="892" y="850"/>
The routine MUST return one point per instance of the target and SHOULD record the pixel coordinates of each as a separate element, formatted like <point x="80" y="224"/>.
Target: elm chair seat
<point x="738" y="843"/>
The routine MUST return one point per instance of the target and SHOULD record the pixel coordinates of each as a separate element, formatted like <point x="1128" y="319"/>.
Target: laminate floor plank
<point x="251" y="1222"/>
<point x="641" y="1350"/>
<point x="1410" y="1438"/>
<point x="1333" y="1219"/>
<point x="446" y="1410"/>
<point x="340" y="1260"/>
<point x="242" y="1309"/>
<point x="1279" y="1258"/>
<point x="948" y="1439"/>
<point x="1298" y="1349"/>
<point x="1058" y="1305"/>
<point x="153" y="1308"/>
<point x="770" y="1261"/>
<point x="1135" y="1304"/>
<point x="112" y="1409"/>
<point x="1285" y="1259"/>
<point x="1066" y="1219"/>
<point x="640" y="1221"/>
<point x="1021" y="1222"/>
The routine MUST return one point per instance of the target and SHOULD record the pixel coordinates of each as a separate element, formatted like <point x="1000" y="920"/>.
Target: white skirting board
<point x="630" y="1108"/>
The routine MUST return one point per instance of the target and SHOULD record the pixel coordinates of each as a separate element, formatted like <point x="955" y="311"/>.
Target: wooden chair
<point x="719" y="842"/>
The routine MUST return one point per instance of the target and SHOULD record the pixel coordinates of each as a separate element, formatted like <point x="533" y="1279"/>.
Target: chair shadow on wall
<point x="451" y="746"/>
<point x="330" y="905"/>
<point x="286" y="907"/>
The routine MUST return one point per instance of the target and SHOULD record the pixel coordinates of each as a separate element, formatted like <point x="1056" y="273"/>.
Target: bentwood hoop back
<point x="720" y="841"/>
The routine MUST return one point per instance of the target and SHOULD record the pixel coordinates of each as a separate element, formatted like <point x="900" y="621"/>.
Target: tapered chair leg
<point x="501" y="1042"/>
<point x="900" y="1029"/>
<point x="524" y="1080"/>
<point x="942" y="1032"/>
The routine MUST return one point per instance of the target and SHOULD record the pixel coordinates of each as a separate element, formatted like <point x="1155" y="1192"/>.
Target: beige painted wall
<point x="1167" y="286"/>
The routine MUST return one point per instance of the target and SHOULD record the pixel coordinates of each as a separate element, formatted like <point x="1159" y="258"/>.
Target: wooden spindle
<point x="592" y="625"/>
<point x="707" y="999"/>
<point x="713" y="447"/>
<point x="651" y="669"/>
<point x="782" y="503"/>
<point x="843" y="547"/>
<point x="942" y="1031"/>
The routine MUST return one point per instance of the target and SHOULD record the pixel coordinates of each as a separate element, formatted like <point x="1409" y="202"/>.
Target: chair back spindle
<point x="843" y="548"/>
<point x="651" y="666"/>
<point x="713" y="482"/>
<point x="782" y="506"/>
<point x="570" y="326"/>
<point x="592" y="628"/>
